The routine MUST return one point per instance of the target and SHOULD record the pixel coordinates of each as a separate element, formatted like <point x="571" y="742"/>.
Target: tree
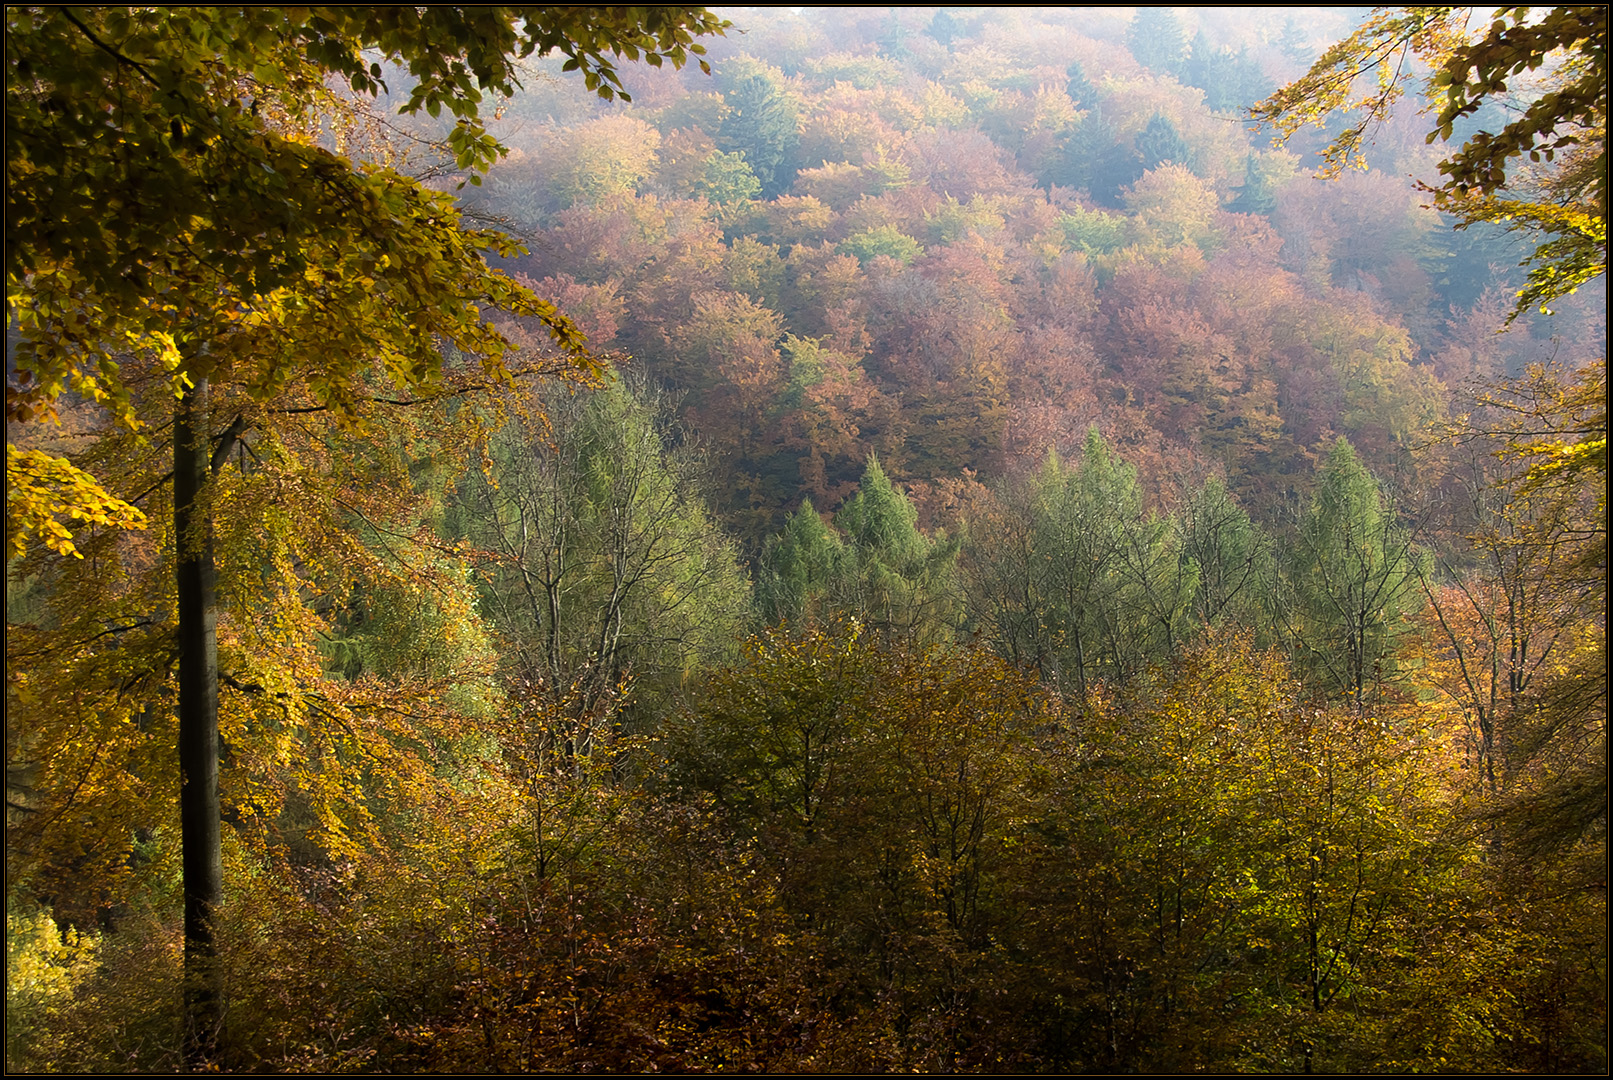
<point x="1236" y="880"/>
<point x="1230" y="81"/>
<point x="944" y="27"/>
<point x="350" y="666"/>
<point x="1078" y="87"/>
<point x="803" y="568"/>
<point x="726" y="180"/>
<point x="1101" y="161"/>
<point x="1156" y="40"/>
<point x="883" y="241"/>
<point x="902" y="579"/>
<point x="760" y="124"/>
<point x="1174" y="207"/>
<point x="1557" y="424"/>
<point x="1069" y="575"/>
<point x="1355" y="573"/>
<point x="1233" y="558"/>
<point x="1161" y="144"/>
<point x="1553" y="437"/>
<point x="194" y="95"/>
<point x="880" y="786"/>
<point x="1263" y="174"/>
<point x="1569" y="208"/>
<point x="604" y="569"/>
<point x="166" y="204"/>
<point x="599" y="160"/>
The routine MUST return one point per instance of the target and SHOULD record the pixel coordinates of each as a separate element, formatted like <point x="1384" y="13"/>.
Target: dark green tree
<point x="804" y="569"/>
<point x="761" y="124"/>
<point x="1257" y="194"/>
<point x="1098" y="160"/>
<point x="1157" y="40"/>
<point x="1159" y="143"/>
<point x="1078" y="87"/>
<point x="1464" y="261"/>
<point x="1202" y="64"/>
<point x="1231" y="81"/>
<point x="944" y="28"/>
<point x="1294" y="43"/>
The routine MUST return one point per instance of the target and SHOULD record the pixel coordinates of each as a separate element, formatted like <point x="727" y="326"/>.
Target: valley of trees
<point x="827" y="540"/>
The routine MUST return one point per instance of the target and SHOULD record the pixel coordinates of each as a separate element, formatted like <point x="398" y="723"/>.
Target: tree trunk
<point x="198" y="721"/>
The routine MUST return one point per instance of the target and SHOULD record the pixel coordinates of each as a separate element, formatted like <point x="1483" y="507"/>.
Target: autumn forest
<point x="806" y="540"/>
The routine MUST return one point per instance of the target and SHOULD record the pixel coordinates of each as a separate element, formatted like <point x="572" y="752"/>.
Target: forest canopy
<point x="853" y="540"/>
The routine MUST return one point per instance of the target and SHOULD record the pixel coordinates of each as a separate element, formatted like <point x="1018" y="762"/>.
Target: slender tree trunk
<point x="198" y="722"/>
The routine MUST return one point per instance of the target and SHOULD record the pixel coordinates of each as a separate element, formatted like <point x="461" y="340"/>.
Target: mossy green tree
<point x="900" y="581"/>
<point x="1355" y="575"/>
<point x="804" y="568"/>
<point x="1070" y="575"/>
<point x="604" y="567"/>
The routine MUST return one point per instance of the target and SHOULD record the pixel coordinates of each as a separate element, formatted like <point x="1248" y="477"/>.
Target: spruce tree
<point x="804" y="570"/>
<point x="1078" y="87"/>
<point x="1157" y="40"/>
<point x="903" y="579"/>
<point x="760" y="124"/>
<point x="1161" y="144"/>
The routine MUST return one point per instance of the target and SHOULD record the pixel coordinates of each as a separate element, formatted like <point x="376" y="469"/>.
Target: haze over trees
<point x="933" y="544"/>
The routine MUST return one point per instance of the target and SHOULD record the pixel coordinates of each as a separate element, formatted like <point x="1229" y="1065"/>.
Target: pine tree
<point x="1256" y="195"/>
<point x="1078" y="87"/>
<point x="944" y="27"/>
<point x="1098" y="160"/>
<point x="804" y="570"/>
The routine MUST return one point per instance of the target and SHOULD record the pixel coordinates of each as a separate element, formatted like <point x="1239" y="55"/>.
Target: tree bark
<point x="198" y="721"/>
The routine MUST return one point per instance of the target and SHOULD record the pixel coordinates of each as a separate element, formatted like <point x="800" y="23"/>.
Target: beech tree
<point x="1466" y="72"/>
<point x="1238" y="880"/>
<point x="165" y="259"/>
<point x="881" y="786"/>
